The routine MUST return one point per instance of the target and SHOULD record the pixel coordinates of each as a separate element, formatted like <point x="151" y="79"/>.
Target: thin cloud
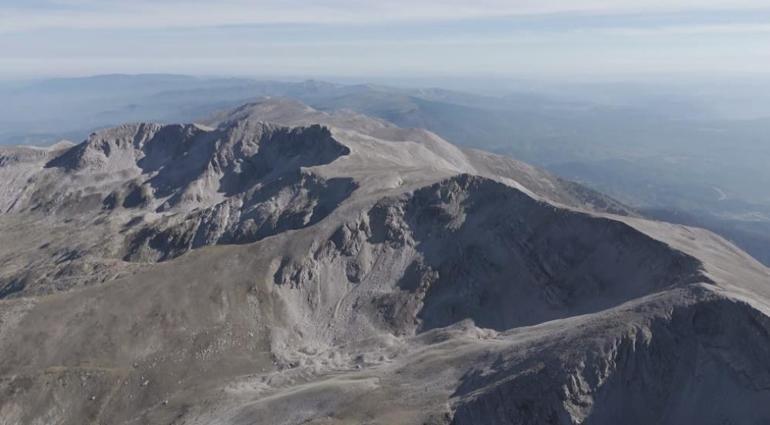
<point x="20" y="15"/>
<point x="664" y="31"/>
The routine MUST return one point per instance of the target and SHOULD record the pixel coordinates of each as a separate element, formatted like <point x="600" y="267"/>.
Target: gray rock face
<point x="290" y="202"/>
<point x="505" y="260"/>
<point x="675" y="369"/>
<point x="332" y="268"/>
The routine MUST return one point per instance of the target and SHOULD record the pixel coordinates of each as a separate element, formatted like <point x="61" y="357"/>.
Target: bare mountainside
<point x="280" y="265"/>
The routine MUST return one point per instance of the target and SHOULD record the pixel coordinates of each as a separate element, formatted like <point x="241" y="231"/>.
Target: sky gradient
<point x="514" y="38"/>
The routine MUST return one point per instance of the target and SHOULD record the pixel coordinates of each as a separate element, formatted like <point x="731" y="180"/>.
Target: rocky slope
<point x="280" y="265"/>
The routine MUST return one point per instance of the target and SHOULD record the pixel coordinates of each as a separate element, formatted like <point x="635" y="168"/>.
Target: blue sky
<point x="496" y="38"/>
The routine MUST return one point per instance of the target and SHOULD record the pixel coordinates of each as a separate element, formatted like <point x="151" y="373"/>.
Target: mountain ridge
<point x="395" y="278"/>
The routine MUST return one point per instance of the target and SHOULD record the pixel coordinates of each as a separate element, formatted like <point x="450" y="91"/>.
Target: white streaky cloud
<point x="665" y="31"/>
<point x="90" y="14"/>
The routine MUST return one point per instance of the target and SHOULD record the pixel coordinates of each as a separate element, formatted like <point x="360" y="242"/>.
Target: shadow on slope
<point x="488" y="252"/>
<point x="704" y="363"/>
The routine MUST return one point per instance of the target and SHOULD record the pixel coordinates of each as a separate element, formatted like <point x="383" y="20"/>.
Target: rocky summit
<point x="280" y="265"/>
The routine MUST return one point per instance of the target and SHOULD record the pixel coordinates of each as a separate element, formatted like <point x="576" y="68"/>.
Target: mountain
<point x="694" y="168"/>
<point x="691" y="152"/>
<point x="277" y="264"/>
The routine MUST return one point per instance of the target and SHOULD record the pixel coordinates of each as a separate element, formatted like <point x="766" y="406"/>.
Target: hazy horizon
<point x="585" y="40"/>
